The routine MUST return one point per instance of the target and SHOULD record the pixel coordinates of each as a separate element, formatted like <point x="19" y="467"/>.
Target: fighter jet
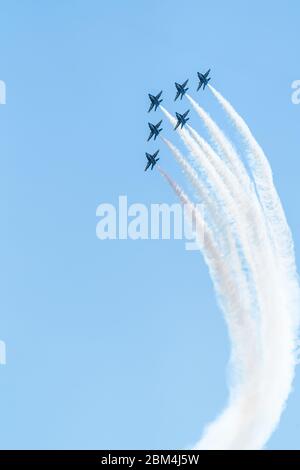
<point x="181" y="119"/>
<point x="181" y="90"/>
<point x="154" y="130"/>
<point x="203" y="79"/>
<point x="155" y="101"/>
<point x="152" y="160"/>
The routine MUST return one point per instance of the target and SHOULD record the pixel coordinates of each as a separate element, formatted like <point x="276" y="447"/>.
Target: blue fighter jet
<point x="152" y="160"/>
<point x="154" y="130"/>
<point x="181" y="90"/>
<point x="181" y="119"/>
<point x="155" y="101"/>
<point x="203" y="79"/>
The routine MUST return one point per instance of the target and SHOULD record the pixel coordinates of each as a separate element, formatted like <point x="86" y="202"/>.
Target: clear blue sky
<point x="120" y="344"/>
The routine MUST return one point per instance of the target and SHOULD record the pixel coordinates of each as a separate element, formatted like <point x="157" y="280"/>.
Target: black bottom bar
<point x="135" y="459"/>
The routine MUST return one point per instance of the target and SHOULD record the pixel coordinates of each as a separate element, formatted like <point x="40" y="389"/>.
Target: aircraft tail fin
<point x="206" y="83"/>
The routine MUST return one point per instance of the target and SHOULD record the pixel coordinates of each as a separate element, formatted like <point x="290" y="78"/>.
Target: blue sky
<point x="120" y="344"/>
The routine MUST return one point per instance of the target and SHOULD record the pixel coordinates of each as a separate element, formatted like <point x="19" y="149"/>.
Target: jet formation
<point x="156" y="100"/>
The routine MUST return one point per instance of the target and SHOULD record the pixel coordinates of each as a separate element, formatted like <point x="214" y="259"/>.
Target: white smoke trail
<point x="224" y="146"/>
<point x="263" y="178"/>
<point x="235" y="303"/>
<point x="227" y="203"/>
<point x="270" y="201"/>
<point x="262" y="332"/>
<point x="202" y="192"/>
<point x="236" y="306"/>
<point x="202" y="161"/>
<point x="229" y="179"/>
<point x="279" y="326"/>
<point x="192" y="175"/>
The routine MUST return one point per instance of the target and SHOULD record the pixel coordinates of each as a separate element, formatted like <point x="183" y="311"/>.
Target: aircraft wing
<point x="177" y="95"/>
<point x="151" y="106"/>
<point x="178" y="124"/>
<point x="159" y="95"/>
<point x="186" y="113"/>
<point x="150" y="136"/>
<point x="148" y="164"/>
<point x="207" y="73"/>
<point x="185" y="83"/>
<point x="158" y="124"/>
<point x="156" y="153"/>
